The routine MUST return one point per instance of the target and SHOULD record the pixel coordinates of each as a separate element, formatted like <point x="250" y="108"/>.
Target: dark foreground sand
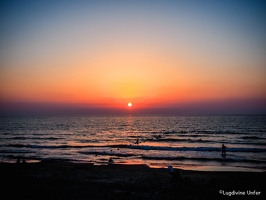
<point x="62" y="180"/>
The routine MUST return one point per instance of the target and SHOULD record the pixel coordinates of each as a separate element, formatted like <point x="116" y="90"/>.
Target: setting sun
<point x="154" y="60"/>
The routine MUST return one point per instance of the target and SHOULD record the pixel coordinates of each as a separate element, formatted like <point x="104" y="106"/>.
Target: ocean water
<point x="158" y="141"/>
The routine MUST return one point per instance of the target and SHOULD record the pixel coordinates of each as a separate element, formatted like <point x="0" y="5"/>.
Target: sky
<point x="162" y="56"/>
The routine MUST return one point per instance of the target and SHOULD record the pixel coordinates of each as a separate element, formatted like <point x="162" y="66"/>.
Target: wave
<point x="48" y="146"/>
<point x="206" y="133"/>
<point x="253" y="137"/>
<point x="157" y="139"/>
<point x="32" y="138"/>
<point x="141" y="147"/>
<point x="174" y="158"/>
<point x="203" y="159"/>
<point x="178" y="140"/>
<point x="173" y="140"/>
<point x="196" y="148"/>
<point x="15" y="151"/>
<point x="108" y="153"/>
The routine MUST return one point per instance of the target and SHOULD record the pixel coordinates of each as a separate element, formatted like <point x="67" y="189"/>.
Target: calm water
<point x="185" y="142"/>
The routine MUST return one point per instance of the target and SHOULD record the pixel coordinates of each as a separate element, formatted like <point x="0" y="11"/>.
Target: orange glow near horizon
<point x="148" y="81"/>
<point x="105" y="58"/>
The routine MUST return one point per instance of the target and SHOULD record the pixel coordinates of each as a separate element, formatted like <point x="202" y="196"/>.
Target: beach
<point x="66" y="180"/>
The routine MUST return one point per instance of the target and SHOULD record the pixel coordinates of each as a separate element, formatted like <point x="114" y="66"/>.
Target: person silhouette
<point x="18" y="161"/>
<point x="223" y="150"/>
<point x="176" y="177"/>
<point x="110" y="161"/>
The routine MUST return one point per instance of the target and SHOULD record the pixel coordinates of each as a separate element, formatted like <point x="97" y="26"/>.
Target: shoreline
<point x="65" y="180"/>
<point x="218" y="167"/>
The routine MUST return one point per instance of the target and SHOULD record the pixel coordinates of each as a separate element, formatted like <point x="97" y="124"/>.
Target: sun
<point x="129" y="104"/>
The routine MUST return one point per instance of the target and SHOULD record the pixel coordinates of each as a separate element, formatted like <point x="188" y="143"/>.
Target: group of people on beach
<point x="20" y="162"/>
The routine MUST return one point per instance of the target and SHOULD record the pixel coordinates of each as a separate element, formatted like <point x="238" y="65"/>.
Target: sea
<point x="185" y="142"/>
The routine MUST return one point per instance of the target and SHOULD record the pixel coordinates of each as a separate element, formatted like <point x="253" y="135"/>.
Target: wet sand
<point x="63" y="180"/>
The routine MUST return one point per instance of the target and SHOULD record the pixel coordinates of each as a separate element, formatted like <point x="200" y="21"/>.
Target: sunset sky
<point x="159" y="55"/>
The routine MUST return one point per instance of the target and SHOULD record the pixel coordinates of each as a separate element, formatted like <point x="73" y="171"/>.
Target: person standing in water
<point x="223" y="150"/>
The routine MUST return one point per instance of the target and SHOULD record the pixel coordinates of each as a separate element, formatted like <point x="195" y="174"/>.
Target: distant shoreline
<point x="203" y="168"/>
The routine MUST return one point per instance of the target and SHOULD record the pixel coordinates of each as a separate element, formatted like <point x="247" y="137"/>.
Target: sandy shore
<point x="63" y="180"/>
